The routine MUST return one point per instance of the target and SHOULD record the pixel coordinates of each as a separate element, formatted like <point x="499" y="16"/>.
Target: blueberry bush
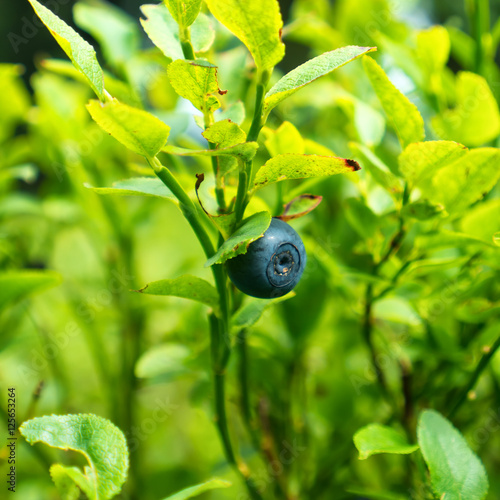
<point x="251" y="250"/>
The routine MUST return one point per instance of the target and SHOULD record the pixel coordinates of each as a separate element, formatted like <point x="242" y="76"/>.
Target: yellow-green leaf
<point x="475" y="120"/>
<point x="77" y="49"/>
<point x="224" y="133"/>
<point x="404" y="115"/>
<point x="257" y="24"/>
<point x="466" y="180"/>
<point x="285" y="139"/>
<point x="196" y="82"/>
<point x="420" y="161"/>
<point x="136" y="129"/>
<point x="184" y="12"/>
<point x="296" y="166"/>
<point x="311" y="70"/>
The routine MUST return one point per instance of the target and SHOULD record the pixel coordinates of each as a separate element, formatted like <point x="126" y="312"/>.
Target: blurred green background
<point x="70" y="348"/>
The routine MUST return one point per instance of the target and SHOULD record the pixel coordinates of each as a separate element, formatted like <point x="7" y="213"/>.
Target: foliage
<point x="159" y="155"/>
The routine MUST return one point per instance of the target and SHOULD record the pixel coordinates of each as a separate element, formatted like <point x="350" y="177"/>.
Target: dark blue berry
<point x="272" y="265"/>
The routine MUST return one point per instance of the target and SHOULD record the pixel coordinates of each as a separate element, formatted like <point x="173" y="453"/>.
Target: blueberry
<point x="272" y="265"/>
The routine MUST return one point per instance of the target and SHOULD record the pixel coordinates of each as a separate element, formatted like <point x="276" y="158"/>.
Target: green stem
<point x="479" y="15"/>
<point x="187" y="48"/>
<point x="253" y="135"/>
<point x="483" y="363"/>
<point x="219" y="330"/>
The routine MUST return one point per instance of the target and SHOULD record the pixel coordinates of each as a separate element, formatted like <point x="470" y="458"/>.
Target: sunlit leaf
<point x="184" y="11"/>
<point x="77" y="49"/>
<point x="285" y="139"/>
<point x="295" y="166"/>
<point x="136" y="129"/>
<point x="475" y="120"/>
<point x="420" y="161"/>
<point x="311" y="70"/>
<point x="404" y="116"/>
<point x="63" y="478"/>
<point x="196" y="82"/>
<point x="257" y="24"/>
<point x="465" y="180"/>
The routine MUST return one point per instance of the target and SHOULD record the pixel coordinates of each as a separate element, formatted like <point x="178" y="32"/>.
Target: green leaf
<point x="295" y="166"/>
<point x="163" y="31"/>
<point x="419" y="162"/>
<point x="245" y="151"/>
<point x="137" y="186"/>
<point x="311" y="70"/>
<point x="253" y="309"/>
<point x="16" y="285"/>
<point x="482" y="221"/>
<point x="433" y="48"/>
<point x="186" y="287"/>
<point x="466" y="180"/>
<point x="404" y="116"/>
<point x="115" y="31"/>
<point x="378" y="169"/>
<point x="64" y="482"/>
<point x="376" y="438"/>
<point x="224" y="133"/>
<point x="475" y="120"/>
<point x="196" y="82"/>
<point x="136" y="129"/>
<point x="184" y="11"/>
<point x="76" y="48"/>
<point x="199" y="488"/>
<point x="251" y="229"/>
<point x="285" y="139"/>
<point x="456" y="471"/>
<point x="257" y="24"/>
<point x="103" y="445"/>
<point x="164" y="359"/>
